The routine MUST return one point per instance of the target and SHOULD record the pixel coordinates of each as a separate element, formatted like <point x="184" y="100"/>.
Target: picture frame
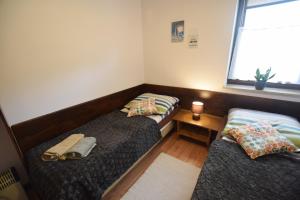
<point x="177" y="31"/>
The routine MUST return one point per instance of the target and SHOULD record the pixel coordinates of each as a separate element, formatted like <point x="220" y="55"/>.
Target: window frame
<point x="240" y="17"/>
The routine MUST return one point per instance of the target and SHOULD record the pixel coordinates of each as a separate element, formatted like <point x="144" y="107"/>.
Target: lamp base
<point x="196" y="117"/>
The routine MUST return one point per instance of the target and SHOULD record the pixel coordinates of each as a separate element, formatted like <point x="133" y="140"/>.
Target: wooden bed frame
<point x="165" y="123"/>
<point x="166" y="126"/>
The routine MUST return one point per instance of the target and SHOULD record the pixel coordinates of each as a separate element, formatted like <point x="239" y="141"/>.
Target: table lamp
<point x="197" y="109"/>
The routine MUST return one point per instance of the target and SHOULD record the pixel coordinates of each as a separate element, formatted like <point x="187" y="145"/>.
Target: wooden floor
<point x="174" y="145"/>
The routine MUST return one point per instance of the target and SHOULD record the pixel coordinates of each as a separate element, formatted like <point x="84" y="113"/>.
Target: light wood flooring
<point x="177" y="146"/>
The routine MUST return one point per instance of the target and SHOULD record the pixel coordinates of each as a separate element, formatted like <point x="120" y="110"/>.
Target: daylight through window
<point x="267" y="35"/>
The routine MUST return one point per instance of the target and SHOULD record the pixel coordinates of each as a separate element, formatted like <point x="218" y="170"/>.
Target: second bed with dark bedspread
<point x="121" y="141"/>
<point x="229" y="174"/>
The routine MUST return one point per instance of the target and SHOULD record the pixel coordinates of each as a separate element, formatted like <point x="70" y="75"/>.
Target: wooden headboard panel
<point x="219" y="103"/>
<point x="35" y="131"/>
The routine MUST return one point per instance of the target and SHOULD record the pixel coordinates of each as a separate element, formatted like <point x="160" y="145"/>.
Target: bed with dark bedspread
<point x="229" y="173"/>
<point x="121" y="141"/>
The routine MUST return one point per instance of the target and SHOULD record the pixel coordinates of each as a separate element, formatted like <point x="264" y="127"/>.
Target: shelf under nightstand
<point x="200" y="130"/>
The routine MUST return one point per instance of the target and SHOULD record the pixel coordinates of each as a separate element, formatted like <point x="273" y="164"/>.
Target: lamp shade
<point x="197" y="107"/>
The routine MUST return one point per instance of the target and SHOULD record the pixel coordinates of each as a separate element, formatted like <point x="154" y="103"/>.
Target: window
<point x="267" y="35"/>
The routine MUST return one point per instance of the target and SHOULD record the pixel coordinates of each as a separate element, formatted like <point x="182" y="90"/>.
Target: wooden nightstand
<point x="198" y="130"/>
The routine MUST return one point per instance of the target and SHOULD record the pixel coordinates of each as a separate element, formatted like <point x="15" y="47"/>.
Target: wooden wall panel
<point x="219" y="103"/>
<point x="37" y="130"/>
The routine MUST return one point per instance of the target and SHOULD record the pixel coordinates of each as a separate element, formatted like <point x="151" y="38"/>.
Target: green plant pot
<point x="260" y="85"/>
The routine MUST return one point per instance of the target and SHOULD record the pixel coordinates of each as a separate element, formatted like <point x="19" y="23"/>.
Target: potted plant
<point x="261" y="79"/>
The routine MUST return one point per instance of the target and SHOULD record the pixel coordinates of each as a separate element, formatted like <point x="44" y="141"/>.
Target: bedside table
<point x="200" y="130"/>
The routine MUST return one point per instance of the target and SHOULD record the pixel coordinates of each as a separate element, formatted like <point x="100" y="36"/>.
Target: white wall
<point x="175" y="64"/>
<point x="55" y="54"/>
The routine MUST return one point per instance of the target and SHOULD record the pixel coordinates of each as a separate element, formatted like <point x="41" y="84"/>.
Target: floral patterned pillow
<point x="258" y="139"/>
<point x="143" y="107"/>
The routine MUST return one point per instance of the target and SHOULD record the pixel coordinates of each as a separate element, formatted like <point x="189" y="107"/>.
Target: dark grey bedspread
<point x="230" y="174"/>
<point x="120" y="142"/>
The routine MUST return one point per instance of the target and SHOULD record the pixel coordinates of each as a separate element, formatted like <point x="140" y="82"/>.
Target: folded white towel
<point x="80" y="149"/>
<point x="57" y="151"/>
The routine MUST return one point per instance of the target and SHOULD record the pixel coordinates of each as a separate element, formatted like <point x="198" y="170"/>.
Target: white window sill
<point x="275" y="91"/>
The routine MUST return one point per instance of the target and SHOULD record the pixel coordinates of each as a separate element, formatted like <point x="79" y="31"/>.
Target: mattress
<point x="121" y="141"/>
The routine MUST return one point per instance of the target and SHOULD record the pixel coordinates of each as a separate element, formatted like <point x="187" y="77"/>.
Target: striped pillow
<point x="163" y="103"/>
<point x="290" y="132"/>
<point x="285" y="126"/>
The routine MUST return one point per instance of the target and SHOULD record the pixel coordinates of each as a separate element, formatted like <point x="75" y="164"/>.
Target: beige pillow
<point x="143" y="107"/>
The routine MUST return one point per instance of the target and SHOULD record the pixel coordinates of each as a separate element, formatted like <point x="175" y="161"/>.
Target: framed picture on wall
<point x="177" y="31"/>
